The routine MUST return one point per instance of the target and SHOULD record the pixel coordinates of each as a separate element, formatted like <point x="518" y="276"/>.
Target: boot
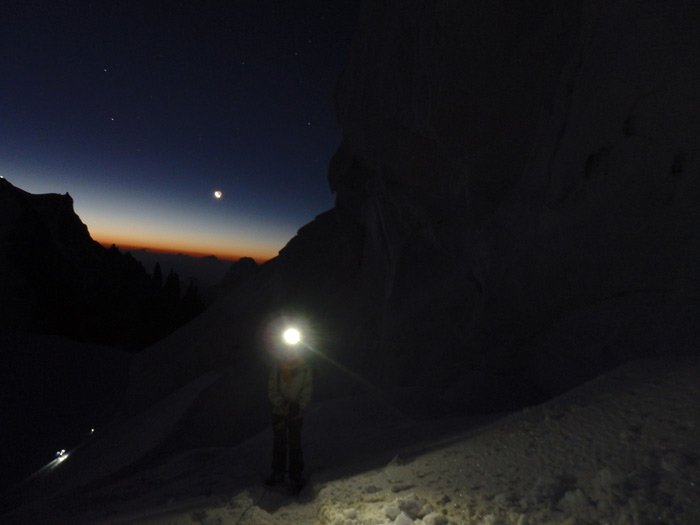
<point x="295" y="485"/>
<point x="276" y="478"/>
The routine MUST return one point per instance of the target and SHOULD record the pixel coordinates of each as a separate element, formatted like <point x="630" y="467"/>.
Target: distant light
<point x="92" y="431"/>
<point x="218" y="194"/>
<point x="291" y="336"/>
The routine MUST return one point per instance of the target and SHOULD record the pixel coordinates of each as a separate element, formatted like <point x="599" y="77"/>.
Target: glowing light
<point x="92" y="431"/>
<point x="61" y="456"/>
<point x="218" y="194"/>
<point x="291" y="336"/>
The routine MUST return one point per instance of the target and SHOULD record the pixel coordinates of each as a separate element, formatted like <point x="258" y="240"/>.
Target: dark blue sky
<point x="142" y="110"/>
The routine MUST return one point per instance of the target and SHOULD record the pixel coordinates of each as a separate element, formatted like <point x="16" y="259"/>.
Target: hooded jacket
<point x="289" y="382"/>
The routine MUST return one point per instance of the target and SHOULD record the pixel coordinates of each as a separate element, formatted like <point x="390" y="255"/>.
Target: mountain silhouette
<point x="55" y="279"/>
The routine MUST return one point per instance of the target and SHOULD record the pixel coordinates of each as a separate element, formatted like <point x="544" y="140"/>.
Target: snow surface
<point x="53" y="391"/>
<point x="621" y="449"/>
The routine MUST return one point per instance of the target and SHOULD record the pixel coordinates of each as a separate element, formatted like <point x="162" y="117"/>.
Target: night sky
<point x="141" y="111"/>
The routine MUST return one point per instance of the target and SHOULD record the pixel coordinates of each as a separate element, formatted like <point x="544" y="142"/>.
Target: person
<point x="289" y="390"/>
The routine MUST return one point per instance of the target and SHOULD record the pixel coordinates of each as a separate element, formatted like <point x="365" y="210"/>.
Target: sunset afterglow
<point x="211" y="142"/>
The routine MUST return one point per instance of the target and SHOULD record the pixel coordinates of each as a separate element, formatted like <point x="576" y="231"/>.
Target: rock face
<point x="516" y="210"/>
<point x="55" y="279"/>
<point x="41" y="241"/>
<point x="525" y="178"/>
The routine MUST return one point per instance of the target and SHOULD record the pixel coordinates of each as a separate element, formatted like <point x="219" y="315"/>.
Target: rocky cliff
<point x="42" y="241"/>
<point x="55" y="279"/>
<point x="525" y="176"/>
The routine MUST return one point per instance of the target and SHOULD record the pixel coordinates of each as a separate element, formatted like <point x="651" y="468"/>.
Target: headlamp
<point x="291" y="336"/>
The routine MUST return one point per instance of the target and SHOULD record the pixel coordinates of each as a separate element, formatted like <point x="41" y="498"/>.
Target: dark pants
<point x="286" y="441"/>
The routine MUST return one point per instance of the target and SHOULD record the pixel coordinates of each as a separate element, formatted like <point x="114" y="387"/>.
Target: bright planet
<point x="218" y="194"/>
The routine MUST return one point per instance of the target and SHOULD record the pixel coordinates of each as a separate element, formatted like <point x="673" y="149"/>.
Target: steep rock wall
<point x="526" y="178"/>
<point x="438" y="105"/>
<point x="600" y="234"/>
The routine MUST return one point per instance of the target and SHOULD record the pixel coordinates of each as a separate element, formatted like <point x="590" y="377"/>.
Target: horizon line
<point x="174" y="251"/>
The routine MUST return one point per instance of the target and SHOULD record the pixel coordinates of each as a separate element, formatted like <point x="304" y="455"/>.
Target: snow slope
<point x="621" y="449"/>
<point x="52" y="392"/>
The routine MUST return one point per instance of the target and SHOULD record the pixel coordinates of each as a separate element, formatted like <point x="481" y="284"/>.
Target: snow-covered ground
<point x="622" y="449"/>
<point x="53" y="391"/>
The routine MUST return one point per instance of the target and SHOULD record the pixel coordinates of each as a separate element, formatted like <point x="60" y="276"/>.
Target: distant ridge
<point x="55" y="279"/>
<point x="206" y="271"/>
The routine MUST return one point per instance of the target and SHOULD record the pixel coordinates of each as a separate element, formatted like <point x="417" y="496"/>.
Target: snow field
<point x="623" y="449"/>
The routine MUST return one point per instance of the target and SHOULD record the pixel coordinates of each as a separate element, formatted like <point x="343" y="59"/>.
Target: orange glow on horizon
<point x="124" y="245"/>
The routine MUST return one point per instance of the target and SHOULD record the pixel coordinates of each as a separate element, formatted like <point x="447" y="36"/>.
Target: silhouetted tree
<point x="158" y="276"/>
<point x="171" y="290"/>
<point x="192" y="304"/>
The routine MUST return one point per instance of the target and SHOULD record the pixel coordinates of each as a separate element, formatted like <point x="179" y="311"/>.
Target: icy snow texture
<point x="622" y="449"/>
<point x="596" y="455"/>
